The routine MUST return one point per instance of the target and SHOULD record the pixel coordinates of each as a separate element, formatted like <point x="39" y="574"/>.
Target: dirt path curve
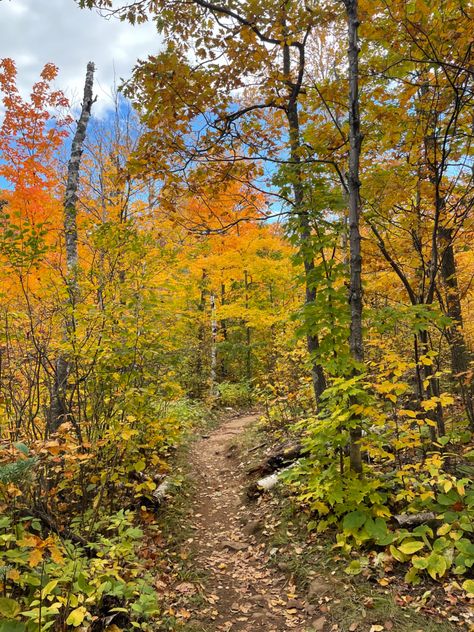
<point x="243" y="593"/>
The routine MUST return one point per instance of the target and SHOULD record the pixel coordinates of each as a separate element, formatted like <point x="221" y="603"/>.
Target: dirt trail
<point x="243" y="593"/>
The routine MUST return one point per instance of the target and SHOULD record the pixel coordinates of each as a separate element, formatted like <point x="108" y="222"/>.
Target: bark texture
<point x="59" y="405"/>
<point x="302" y="214"/>
<point x="70" y="198"/>
<point x="460" y="354"/>
<point x="353" y="187"/>
<point x="214" y="332"/>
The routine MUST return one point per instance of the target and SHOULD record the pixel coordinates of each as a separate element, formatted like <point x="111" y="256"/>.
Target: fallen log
<point x="265" y="484"/>
<point x="256" y="447"/>
<point x="281" y="457"/>
<point x="159" y="494"/>
<point x="287" y="455"/>
<point x="415" y="520"/>
<point x="62" y="532"/>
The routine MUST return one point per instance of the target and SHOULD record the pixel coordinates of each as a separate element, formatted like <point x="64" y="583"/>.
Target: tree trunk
<point x="248" y="349"/>
<point x="353" y="186"/>
<point x="432" y="390"/>
<point x="198" y="386"/>
<point x="301" y="213"/>
<point x="460" y="356"/>
<point x="213" y="378"/>
<point x="59" y="405"/>
<point x="223" y="325"/>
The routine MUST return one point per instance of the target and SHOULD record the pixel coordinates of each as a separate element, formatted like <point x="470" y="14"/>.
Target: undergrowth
<point x="366" y="586"/>
<point x="100" y="567"/>
<point x="347" y="601"/>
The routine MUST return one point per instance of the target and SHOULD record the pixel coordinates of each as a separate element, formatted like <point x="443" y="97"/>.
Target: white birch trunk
<point x="59" y="404"/>
<point x="213" y="346"/>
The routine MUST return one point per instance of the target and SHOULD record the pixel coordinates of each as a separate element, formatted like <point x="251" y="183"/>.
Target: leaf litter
<point x="244" y="594"/>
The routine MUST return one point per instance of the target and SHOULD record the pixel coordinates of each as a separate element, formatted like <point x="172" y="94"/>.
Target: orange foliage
<point x="30" y="137"/>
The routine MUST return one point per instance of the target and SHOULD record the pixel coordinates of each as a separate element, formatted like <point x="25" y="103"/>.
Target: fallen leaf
<point x="318" y="624"/>
<point x="186" y="588"/>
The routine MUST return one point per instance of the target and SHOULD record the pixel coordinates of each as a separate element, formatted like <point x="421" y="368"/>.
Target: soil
<point x="243" y="592"/>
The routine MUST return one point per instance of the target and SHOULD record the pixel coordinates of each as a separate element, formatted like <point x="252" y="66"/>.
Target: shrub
<point x="235" y="395"/>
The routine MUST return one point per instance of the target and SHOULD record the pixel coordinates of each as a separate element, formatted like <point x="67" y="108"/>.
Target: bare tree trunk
<point x="301" y="213"/>
<point x="248" y="349"/>
<point x="72" y="186"/>
<point x="460" y="356"/>
<point x="59" y="405"/>
<point x="353" y="186"/>
<point x="200" y="385"/>
<point x="223" y="326"/>
<point x="213" y="377"/>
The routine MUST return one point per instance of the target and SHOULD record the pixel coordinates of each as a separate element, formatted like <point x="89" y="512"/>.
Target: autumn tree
<point x="32" y="132"/>
<point x="239" y="106"/>
<point x="428" y="126"/>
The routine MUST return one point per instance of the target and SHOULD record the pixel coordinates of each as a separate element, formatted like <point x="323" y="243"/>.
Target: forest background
<point x="278" y="213"/>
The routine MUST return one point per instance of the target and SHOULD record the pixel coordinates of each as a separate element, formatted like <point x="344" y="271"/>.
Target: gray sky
<point x="34" y="32"/>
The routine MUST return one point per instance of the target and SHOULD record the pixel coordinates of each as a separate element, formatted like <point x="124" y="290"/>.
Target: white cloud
<point x="34" y="32"/>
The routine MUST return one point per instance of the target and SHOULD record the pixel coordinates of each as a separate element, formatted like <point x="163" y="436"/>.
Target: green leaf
<point x="83" y="585"/>
<point x="353" y="520"/>
<point x="411" y="547"/>
<point x="9" y="607"/>
<point x="437" y="565"/>
<point x="465" y="546"/>
<point x="32" y="580"/>
<point x="140" y="465"/>
<point x="354" y="568"/>
<point x="12" y="626"/>
<point x="412" y="576"/>
<point x="440" y="544"/>
<point x="450" y="516"/>
<point x="377" y="529"/>
<point x="398" y="555"/>
<point x="419" y="562"/>
<point x="447" y="499"/>
<point x="4" y="522"/>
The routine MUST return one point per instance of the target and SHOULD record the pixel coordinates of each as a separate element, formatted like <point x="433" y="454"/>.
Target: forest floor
<point x="247" y="593"/>
<point x="246" y="566"/>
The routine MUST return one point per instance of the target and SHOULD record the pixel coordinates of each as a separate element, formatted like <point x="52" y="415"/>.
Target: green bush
<point x="236" y="395"/>
<point x="53" y="584"/>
